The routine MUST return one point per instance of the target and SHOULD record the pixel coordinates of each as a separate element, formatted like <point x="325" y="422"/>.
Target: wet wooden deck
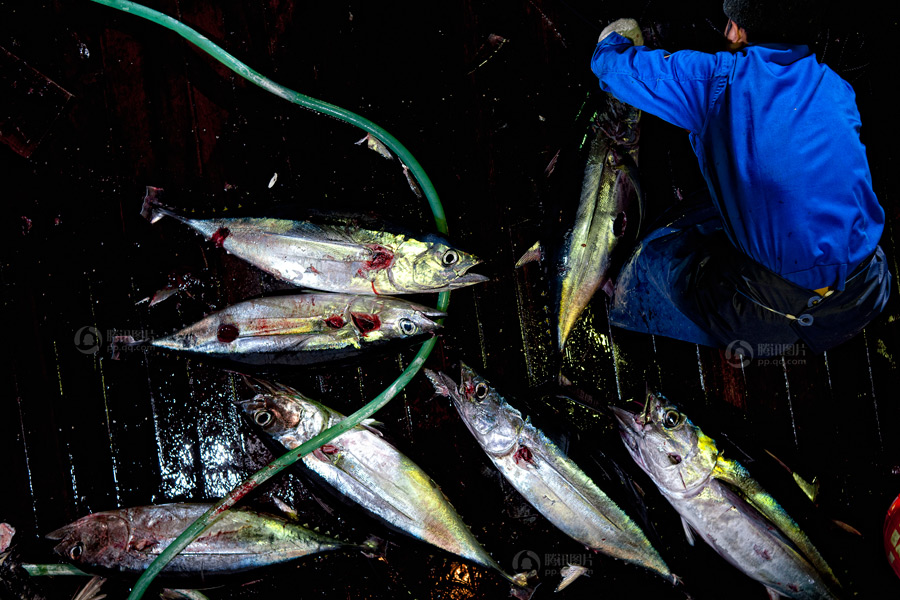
<point x="484" y="94"/>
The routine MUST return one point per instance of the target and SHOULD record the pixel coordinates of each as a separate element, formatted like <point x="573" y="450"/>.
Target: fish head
<point x="667" y="445"/>
<point x="380" y="318"/>
<point x="491" y="420"/>
<point x="97" y="539"/>
<point x="288" y="417"/>
<point x="433" y="265"/>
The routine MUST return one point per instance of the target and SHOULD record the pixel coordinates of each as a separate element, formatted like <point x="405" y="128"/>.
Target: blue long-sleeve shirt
<point x="777" y="137"/>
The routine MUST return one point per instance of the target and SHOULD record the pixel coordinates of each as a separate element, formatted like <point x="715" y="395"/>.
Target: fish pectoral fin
<point x="324" y="250"/>
<point x="371" y="424"/>
<point x="292" y="326"/>
<point x="773" y="595"/>
<point x="577" y="490"/>
<point x="750" y="495"/>
<point x="384" y="498"/>
<point x="688" y="531"/>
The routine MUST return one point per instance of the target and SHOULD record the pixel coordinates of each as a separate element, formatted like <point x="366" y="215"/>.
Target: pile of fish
<point x="545" y="476"/>
<point x="351" y="274"/>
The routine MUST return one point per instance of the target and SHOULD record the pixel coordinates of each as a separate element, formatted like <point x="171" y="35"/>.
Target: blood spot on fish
<point x="219" y="236"/>
<point x="140" y="545"/>
<point x="227" y="333"/>
<point x="523" y="453"/>
<point x="312" y="269"/>
<point x="762" y="553"/>
<point x="366" y="323"/>
<point x="382" y="258"/>
<point x="794" y="587"/>
<point x="335" y="321"/>
<point x="619" y="224"/>
<point x="325" y="452"/>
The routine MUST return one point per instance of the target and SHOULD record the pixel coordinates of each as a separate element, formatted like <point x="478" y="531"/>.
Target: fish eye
<point x="407" y="327"/>
<point x="450" y="258"/>
<point x="263" y="418"/>
<point x="481" y="391"/>
<point x="76" y="551"/>
<point x="671" y="419"/>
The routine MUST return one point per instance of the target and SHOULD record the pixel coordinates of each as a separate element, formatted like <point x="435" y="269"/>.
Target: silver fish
<point x="544" y="475"/>
<point x="368" y="470"/>
<point x="719" y="500"/>
<point x="127" y="540"/>
<point x="335" y="257"/>
<point x="303" y="328"/>
<point x="608" y="208"/>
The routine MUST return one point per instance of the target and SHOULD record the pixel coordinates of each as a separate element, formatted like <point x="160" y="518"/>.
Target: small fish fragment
<point x="719" y="500"/>
<point x="550" y="481"/>
<point x="303" y="329"/>
<point x="413" y="184"/>
<point x="373" y="143"/>
<point x="569" y="574"/>
<point x="127" y="540"/>
<point x="342" y="256"/>
<point x="368" y="470"/>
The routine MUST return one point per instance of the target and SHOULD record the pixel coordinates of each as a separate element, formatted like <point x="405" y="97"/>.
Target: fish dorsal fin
<point x="739" y="480"/>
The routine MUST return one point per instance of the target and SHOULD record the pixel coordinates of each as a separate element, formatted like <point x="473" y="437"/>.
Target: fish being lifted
<point x="719" y="500"/>
<point x="302" y="329"/>
<point x="609" y="211"/>
<point x="368" y="470"/>
<point x="545" y="476"/>
<point x="125" y="541"/>
<point x="334" y="257"/>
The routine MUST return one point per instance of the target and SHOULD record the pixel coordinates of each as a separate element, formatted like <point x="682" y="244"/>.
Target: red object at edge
<point x="892" y="536"/>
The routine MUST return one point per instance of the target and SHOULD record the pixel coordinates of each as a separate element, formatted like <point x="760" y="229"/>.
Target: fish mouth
<point x="628" y="421"/>
<point x="467" y="279"/>
<point x="442" y="384"/>
<point x="631" y="428"/>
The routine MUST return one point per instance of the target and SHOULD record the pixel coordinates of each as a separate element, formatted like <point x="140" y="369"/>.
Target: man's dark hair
<point x="793" y="21"/>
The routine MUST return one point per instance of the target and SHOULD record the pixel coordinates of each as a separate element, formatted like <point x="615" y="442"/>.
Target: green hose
<point x="198" y="526"/>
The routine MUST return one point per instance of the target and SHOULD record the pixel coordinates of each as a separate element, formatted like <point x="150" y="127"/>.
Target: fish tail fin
<point x="533" y="254"/>
<point x="152" y="209"/>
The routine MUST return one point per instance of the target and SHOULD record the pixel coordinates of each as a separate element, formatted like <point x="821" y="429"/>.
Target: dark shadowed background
<point x="99" y="104"/>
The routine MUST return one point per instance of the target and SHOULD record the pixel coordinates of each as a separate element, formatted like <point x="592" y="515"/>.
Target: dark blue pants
<point x="685" y="280"/>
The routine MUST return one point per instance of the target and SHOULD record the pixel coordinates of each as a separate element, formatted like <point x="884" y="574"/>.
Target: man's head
<point x="791" y="21"/>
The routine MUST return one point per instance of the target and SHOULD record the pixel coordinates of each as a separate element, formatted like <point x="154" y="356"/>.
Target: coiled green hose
<point x="198" y="526"/>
